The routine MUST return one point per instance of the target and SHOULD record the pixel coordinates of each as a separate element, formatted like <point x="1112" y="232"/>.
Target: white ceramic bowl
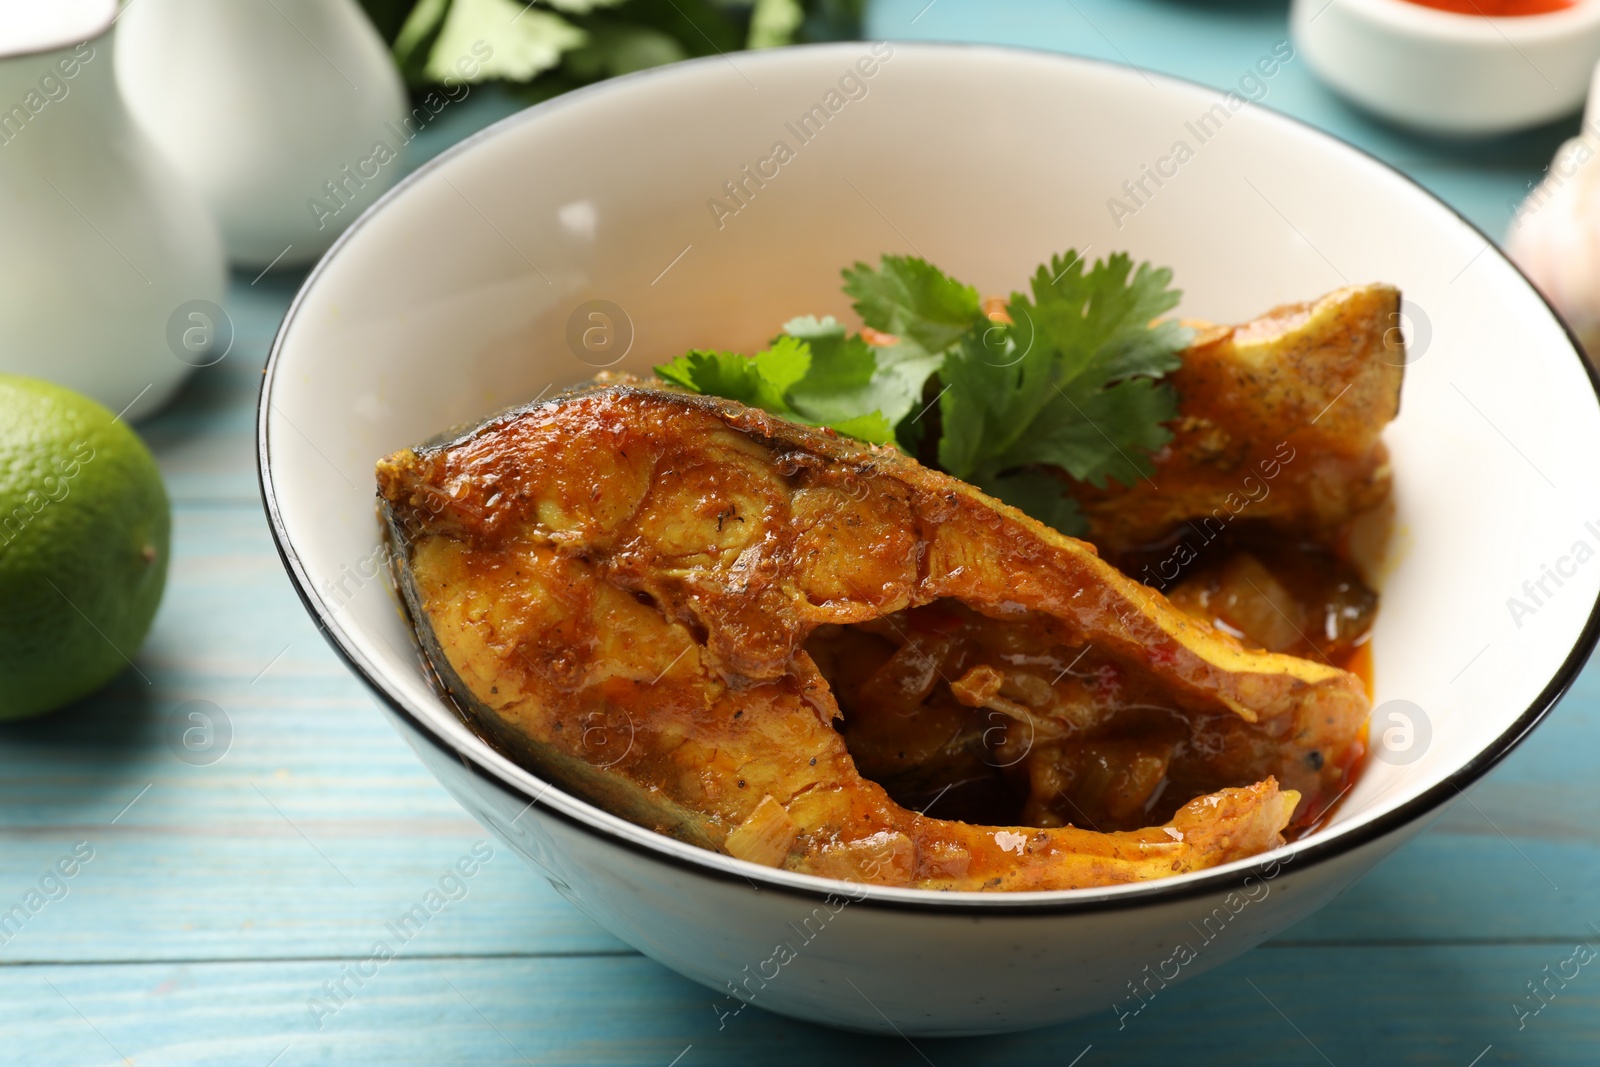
<point x="457" y="295"/>
<point x="1448" y="73"/>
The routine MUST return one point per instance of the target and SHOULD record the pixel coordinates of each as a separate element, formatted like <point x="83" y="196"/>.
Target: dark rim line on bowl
<point x="656" y="847"/>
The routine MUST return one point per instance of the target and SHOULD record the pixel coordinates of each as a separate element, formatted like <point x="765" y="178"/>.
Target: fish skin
<point x="617" y="585"/>
<point x="1279" y="419"/>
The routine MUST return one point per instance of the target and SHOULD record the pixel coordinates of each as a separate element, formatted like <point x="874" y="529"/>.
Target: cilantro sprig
<point x="821" y="377"/>
<point x="1068" y="380"/>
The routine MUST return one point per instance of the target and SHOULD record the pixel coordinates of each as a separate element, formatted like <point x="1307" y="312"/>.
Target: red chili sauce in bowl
<point x="1497" y="8"/>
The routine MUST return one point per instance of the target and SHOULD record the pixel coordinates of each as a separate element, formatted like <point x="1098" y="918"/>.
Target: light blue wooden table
<point x="221" y="903"/>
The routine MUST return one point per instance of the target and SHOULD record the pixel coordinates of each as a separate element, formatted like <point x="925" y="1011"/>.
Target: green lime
<point x="84" y="534"/>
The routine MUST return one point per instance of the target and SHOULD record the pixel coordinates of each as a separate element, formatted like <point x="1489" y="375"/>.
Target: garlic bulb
<point x="1555" y="236"/>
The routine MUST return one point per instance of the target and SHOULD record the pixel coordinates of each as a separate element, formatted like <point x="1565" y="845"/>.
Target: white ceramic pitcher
<point x="104" y="253"/>
<point x="273" y="109"/>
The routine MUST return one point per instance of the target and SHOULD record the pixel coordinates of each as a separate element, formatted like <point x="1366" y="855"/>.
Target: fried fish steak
<point x="619" y="586"/>
<point x="1281" y="416"/>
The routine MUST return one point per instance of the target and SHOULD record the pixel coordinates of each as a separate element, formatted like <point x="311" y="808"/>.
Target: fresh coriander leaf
<point x="1096" y="434"/>
<point x="1071" y="382"/>
<point x="582" y="7"/>
<point x="913" y="300"/>
<point x="822" y="377"/>
<point x="919" y="431"/>
<point x="388" y="16"/>
<point x="928" y="311"/>
<point x="784" y="362"/>
<point x="726" y="374"/>
<point x="1040" y="494"/>
<point x="617" y="47"/>
<point x="903" y="372"/>
<point x="993" y="393"/>
<point x="701" y="27"/>
<point x="839" y="361"/>
<point x="417" y="35"/>
<point x="904" y="375"/>
<point x="844" y="389"/>
<point x="762" y="380"/>
<point x="1101" y="319"/>
<point x="850" y="378"/>
<point x="534" y="39"/>
<point x="774" y="23"/>
<point x="523" y="41"/>
<point x="874" y="429"/>
<point x="833" y="20"/>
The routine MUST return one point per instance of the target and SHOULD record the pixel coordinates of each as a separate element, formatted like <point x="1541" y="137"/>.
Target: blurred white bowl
<point x="1448" y="73"/>
<point x="470" y="288"/>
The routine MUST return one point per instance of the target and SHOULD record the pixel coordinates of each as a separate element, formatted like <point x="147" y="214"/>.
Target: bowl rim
<point x="650" y="845"/>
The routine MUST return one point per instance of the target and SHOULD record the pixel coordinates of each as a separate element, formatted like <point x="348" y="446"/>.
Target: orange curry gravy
<point x="1013" y="721"/>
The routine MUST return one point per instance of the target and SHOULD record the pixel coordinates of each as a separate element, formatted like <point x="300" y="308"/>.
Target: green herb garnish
<point x="546" y="47"/>
<point x="915" y="301"/>
<point x="1071" y="383"/>
<point x="823" y="379"/>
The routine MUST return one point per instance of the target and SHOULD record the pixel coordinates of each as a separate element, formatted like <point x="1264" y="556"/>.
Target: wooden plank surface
<point x="217" y="899"/>
<point x="1408" y="1004"/>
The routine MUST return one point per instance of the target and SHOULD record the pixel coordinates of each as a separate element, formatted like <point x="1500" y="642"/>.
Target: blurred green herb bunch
<point x="546" y="47"/>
